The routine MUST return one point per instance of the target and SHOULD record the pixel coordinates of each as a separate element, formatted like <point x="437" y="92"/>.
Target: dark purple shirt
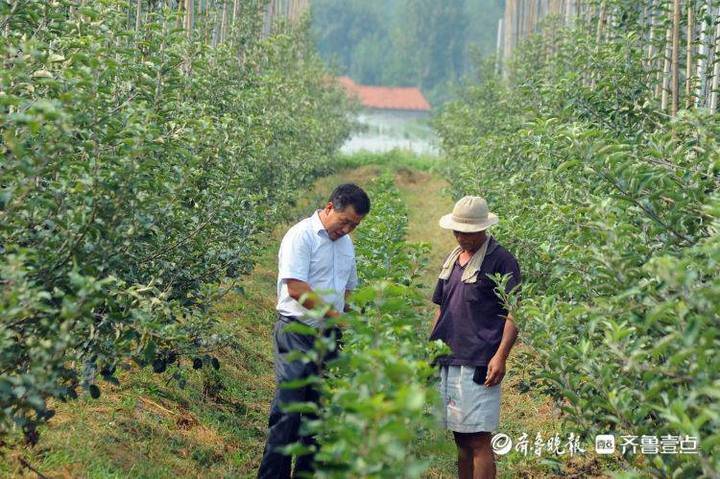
<point x="472" y="317"/>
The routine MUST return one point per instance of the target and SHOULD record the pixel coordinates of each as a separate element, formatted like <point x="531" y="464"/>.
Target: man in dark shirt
<point x="473" y="321"/>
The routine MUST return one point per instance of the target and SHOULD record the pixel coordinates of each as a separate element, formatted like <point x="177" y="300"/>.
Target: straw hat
<point x="470" y="215"/>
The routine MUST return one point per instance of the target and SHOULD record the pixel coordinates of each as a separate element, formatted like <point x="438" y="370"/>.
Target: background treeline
<point x="147" y="149"/>
<point x="423" y="43"/>
<point x="608" y="193"/>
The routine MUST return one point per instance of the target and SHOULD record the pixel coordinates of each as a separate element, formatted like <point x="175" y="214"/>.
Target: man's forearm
<point x="510" y="333"/>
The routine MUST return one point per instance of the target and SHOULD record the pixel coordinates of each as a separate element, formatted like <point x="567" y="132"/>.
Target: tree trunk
<point x="208" y="26"/>
<point x="703" y="55"/>
<point x="645" y="23"/>
<point x="215" y="27"/>
<point x="667" y="67"/>
<point x="267" y="20"/>
<point x="138" y="14"/>
<point x="689" y="54"/>
<point x="716" y="67"/>
<point x="180" y="15"/>
<point x="189" y="17"/>
<point x="532" y="18"/>
<point x="508" y="21"/>
<point x="235" y="17"/>
<point x="650" y="61"/>
<point x="600" y="24"/>
<point x="224" y="24"/>
<point x="598" y="38"/>
<point x="675" y="58"/>
<point x="498" y="48"/>
<point x="236" y="11"/>
<point x="569" y="11"/>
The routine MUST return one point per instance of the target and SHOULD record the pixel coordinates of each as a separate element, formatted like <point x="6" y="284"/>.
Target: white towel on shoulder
<point x="471" y="268"/>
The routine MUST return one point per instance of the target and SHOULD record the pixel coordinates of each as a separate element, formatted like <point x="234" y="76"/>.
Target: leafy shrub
<point x="140" y="169"/>
<point x="612" y="209"/>
<point x="395" y="158"/>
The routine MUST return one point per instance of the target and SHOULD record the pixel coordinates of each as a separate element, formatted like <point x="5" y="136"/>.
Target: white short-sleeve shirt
<point x="308" y="254"/>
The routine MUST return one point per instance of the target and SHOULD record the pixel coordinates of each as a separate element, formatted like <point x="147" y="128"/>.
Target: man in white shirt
<point x="316" y="264"/>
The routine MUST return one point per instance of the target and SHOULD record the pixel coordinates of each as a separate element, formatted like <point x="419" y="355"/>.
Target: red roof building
<point x="386" y="98"/>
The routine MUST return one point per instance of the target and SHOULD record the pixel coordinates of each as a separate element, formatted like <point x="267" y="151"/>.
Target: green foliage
<point x="352" y="33"/>
<point x="421" y="43"/>
<point x="394" y="159"/>
<point x="140" y="169"/>
<point x="382" y="252"/>
<point x="612" y="210"/>
<point x="376" y="395"/>
<point x="432" y="40"/>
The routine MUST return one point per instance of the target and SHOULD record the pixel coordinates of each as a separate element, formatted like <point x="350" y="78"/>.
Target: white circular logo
<point x="501" y="444"/>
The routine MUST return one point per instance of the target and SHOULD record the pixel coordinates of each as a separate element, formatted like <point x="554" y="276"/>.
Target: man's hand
<point x="496" y="366"/>
<point x="496" y="370"/>
<point x="302" y="292"/>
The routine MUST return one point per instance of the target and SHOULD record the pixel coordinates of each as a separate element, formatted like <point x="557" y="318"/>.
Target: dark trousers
<point x="284" y="427"/>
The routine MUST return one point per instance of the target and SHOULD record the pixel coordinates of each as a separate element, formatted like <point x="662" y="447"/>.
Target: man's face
<point x="340" y="223"/>
<point x="470" y="241"/>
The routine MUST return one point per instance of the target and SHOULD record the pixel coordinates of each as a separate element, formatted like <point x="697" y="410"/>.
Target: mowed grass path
<point x="148" y="427"/>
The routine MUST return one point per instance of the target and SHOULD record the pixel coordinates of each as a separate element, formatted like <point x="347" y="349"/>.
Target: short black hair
<point x="350" y="194"/>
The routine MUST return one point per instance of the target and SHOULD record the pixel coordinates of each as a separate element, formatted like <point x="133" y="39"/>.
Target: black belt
<point x="288" y="319"/>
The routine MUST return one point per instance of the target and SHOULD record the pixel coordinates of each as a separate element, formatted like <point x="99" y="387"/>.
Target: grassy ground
<point x="215" y="426"/>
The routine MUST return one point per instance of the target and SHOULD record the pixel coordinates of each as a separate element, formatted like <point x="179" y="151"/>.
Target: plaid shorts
<point x="467" y="406"/>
